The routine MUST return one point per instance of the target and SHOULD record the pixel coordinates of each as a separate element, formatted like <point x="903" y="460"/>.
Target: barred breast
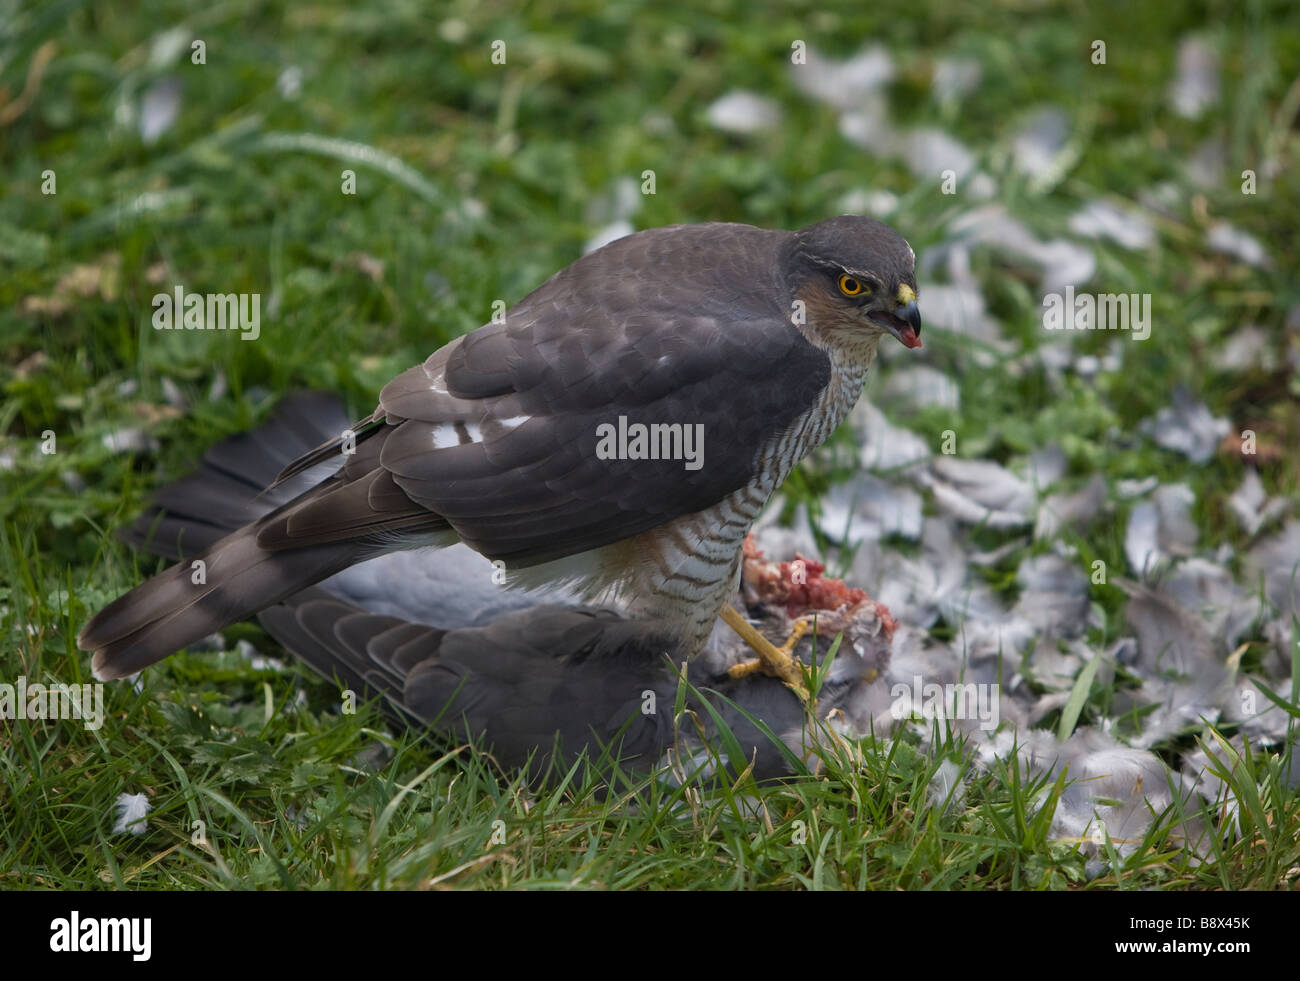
<point x="685" y="571"/>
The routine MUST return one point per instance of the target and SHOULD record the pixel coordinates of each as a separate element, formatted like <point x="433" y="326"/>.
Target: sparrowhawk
<point x="535" y="678"/>
<point x="727" y="352"/>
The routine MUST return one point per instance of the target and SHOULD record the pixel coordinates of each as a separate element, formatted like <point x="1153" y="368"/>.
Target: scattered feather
<point x="867" y="126"/>
<point x="1225" y="609"/>
<point x="869" y="509"/>
<point x="913" y="587"/>
<point x="1276" y="561"/>
<point x="1170" y="639"/>
<point x="217" y="390"/>
<point x="131" y="812"/>
<point x="955" y="78"/>
<point x="1195" y="87"/>
<point x="882" y="204"/>
<point x="1053" y="596"/>
<point x="1115" y="792"/>
<point x="129" y="440"/>
<point x="980" y="492"/>
<point x="996" y="556"/>
<point x="1251" y="505"/>
<point x="929" y="151"/>
<point x="1046" y="466"/>
<point x="743" y="112"/>
<point x="1065" y="264"/>
<point x="1037" y="146"/>
<point x="1199" y="771"/>
<point x="1072" y="509"/>
<point x="986" y="629"/>
<point x="1130" y="488"/>
<point x="960" y="308"/>
<point x="1186" y="427"/>
<point x="1207" y="165"/>
<point x="947" y="789"/>
<point x="289" y="82"/>
<point x="610" y="233"/>
<point x="159" y="108"/>
<point x="619" y="201"/>
<point x="256" y="659"/>
<point x="166" y="47"/>
<point x="918" y="386"/>
<point x="173" y="396"/>
<point x="1062" y="263"/>
<point x="884" y="445"/>
<point x="1101" y="219"/>
<point x="1262" y="719"/>
<point x="842" y="84"/>
<point x="1249" y="348"/>
<point x="1230" y="241"/>
<point x="1160" y="528"/>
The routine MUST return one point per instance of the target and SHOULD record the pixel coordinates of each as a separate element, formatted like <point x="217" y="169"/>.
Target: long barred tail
<point x="209" y="518"/>
<point x="229" y="582"/>
<point x="228" y="490"/>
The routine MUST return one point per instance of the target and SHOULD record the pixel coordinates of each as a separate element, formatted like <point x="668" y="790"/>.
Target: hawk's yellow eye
<point x="852" y="287"/>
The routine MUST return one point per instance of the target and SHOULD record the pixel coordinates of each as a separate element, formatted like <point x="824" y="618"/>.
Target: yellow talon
<point x="800" y="627"/>
<point x="771" y="660"/>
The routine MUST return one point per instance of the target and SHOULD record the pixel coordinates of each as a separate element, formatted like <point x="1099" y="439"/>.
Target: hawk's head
<point x="855" y="275"/>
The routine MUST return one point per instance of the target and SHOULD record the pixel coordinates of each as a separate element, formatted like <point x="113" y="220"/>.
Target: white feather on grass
<point x="131" y="812"/>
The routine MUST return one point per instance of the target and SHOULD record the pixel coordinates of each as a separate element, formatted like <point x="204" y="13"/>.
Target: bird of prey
<point x="736" y="349"/>
<point x="534" y="678"/>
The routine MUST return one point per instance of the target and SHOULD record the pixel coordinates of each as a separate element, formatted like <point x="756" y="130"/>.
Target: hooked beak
<point x="904" y="323"/>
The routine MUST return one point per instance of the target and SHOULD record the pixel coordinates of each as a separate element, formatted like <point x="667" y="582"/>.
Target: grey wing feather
<point x="516" y="683"/>
<point x="662" y="335"/>
<point x="527" y="678"/>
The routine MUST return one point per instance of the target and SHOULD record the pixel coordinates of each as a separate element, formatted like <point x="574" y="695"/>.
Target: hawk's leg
<point x="772" y="660"/>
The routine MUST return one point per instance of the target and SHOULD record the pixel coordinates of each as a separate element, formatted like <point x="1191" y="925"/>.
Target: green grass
<point x="474" y="183"/>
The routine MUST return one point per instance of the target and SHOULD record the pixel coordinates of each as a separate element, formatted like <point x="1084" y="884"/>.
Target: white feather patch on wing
<point x="449" y="434"/>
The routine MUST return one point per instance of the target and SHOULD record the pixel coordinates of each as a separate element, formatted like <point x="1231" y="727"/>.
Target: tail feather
<point x="212" y="516"/>
<point x="228" y="490"/>
<point x="189" y="601"/>
<point x="302" y="421"/>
